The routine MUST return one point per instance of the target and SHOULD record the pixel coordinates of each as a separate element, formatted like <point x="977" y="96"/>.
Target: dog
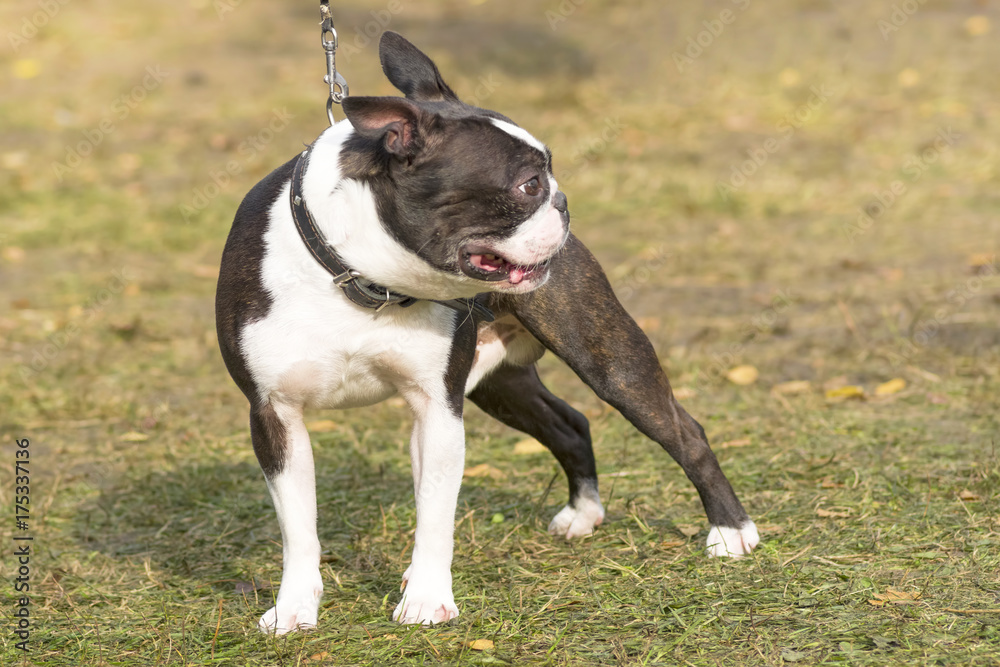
<point x="421" y="248"/>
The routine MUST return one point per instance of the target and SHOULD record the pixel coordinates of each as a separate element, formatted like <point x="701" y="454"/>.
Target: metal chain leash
<point x="338" y="85"/>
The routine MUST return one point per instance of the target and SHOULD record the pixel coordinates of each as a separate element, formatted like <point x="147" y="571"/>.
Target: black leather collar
<point x="358" y="289"/>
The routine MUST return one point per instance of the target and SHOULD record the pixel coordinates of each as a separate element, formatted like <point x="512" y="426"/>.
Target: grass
<point x="154" y="538"/>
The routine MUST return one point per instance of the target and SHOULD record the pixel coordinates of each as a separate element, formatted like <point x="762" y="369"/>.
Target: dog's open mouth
<point x="481" y="264"/>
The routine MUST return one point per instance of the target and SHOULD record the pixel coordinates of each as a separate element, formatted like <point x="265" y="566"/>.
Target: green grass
<point x="163" y="549"/>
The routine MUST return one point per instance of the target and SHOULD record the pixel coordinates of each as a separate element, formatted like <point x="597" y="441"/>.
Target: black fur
<point x="241" y="299"/>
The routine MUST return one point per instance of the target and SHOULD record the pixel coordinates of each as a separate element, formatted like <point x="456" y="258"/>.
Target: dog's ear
<point x="392" y="119"/>
<point x="411" y="71"/>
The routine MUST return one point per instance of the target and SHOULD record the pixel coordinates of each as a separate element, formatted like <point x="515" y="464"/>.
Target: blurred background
<point x="799" y="200"/>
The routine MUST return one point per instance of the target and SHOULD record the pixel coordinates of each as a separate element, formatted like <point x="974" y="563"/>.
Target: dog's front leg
<point x="281" y="443"/>
<point x="437" y="453"/>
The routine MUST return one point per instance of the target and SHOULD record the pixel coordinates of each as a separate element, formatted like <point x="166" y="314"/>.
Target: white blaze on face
<point x="541" y="235"/>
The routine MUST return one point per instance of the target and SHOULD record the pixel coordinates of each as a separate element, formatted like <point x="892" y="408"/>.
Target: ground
<point x="803" y="191"/>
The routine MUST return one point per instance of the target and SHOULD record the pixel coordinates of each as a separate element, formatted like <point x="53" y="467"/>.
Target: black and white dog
<point x="351" y="274"/>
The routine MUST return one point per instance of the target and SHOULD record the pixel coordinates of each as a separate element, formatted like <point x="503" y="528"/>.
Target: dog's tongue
<point x="516" y="275"/>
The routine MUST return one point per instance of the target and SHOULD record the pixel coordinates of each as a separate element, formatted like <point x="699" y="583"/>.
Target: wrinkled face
<point x="464" y="189"/>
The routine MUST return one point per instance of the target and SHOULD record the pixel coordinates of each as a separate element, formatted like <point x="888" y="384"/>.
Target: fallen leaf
<point x="682" y="393"/>
<point x="739" y="442"/>
<point x="26" y="68"/>
<point x="908" y="78"/>
<point x="965" y="494"/>
<point x="792" y="387"/>
<point x="322" y="426"/>
<point x="978" y="25"/>
<point x="892" y="596"/>
<point x="893" y="386"/>
<point x="845" y="393"/>
<point x="743" y="375"/>
<point x="13" y="253"/>
<point x="133" y="436"/>
<point x="484" y="470"/>
<point x="319" y="656"/>
<point x="833" y="514"/>
<point x="480" y="644"/>
<point x="529" y="446"/>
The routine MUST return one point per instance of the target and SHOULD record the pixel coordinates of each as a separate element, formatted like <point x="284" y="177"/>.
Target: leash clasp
<point x="328" y="38"/>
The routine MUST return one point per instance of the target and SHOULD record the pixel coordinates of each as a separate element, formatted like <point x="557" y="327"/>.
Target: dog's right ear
<point x="411" y="71"/>
<point x="392" y="119"/>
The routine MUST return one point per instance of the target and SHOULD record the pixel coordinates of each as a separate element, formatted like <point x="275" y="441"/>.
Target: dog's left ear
<point x="411" y="71"/>
<point x="394" y="120"/>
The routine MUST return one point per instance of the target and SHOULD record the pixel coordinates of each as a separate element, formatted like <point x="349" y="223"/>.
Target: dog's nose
<point x="559" y="201"/>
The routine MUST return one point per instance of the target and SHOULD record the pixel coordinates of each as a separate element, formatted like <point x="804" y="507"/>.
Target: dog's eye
<point x="531" y="187"/>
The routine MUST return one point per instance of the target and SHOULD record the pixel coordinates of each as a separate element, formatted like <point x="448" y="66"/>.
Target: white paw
<point x="580" y="520"/>
<point x="297" y="607"/>
<point x="424" y="607"/>
<point x="734" y="542"/>
<point x="282" y="619"/>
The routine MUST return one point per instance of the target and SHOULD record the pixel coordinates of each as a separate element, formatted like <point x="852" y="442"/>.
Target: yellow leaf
<point x="480" y="644"/>
<point x="529" y="446"/>
<point x="892" y="596"/>
<point x="484" y="470"/>
<point x="322" y="426"/>
<point x="789" y="77"/>
<point x="133" y="436"/>
<point x="793" y="387"/>
<point x="833" y="514"/>
<point x="13" y="253"/>
<point x="893" y="386"/>
<point x="743" y="375"/>
<point x="977" y="25"/>
<point x="26" y="68"/>
<point x="844" y="393"/>
<point x="969" y="495"/>
<point x="909" y="77"/>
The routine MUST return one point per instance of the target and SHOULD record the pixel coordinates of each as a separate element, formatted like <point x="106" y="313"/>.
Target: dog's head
<point x="464" y="189"/>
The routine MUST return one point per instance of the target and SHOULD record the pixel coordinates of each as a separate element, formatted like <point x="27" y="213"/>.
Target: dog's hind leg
<point x="577" y="316"/>
<point x="516" y="396"/>
<point x="281" y="443"/>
